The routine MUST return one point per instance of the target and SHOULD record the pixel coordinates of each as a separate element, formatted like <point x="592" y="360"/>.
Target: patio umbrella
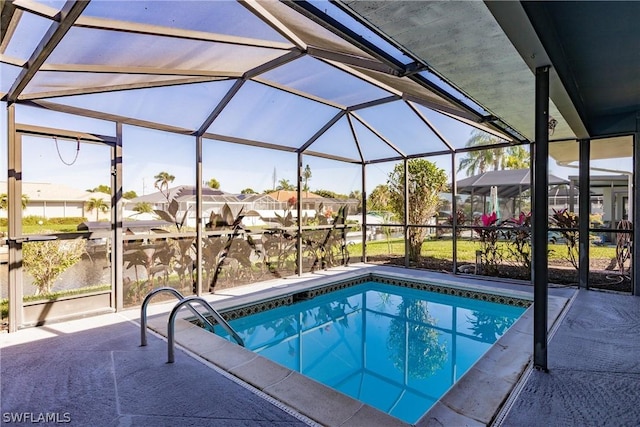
<point x="493" y="201"/>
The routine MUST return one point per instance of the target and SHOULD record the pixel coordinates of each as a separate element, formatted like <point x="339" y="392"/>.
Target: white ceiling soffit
<point x="462" y="41"/>
<point x="619" y="147"/>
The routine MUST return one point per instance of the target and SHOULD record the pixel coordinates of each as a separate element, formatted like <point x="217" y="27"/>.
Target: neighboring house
<point x="212" y="201"/>
<point x="56" y="201"/>
<point x="311" y="201"/>
<point x="260" y="209"/>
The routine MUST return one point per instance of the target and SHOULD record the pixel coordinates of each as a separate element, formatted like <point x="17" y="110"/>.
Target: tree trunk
<point x="416" y="237"/>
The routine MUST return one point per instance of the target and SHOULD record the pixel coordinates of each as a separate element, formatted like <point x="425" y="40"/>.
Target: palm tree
<point x="99" y="205"/>
<point x="481" y="161"/>
<point x="284" y="184"/>
<point x="379" y="199"/>
<point x="306" y="175"/>
<point x="517" y="158"/>
<point x="163" y="179"/>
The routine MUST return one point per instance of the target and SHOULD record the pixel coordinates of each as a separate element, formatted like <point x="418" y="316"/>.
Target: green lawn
<point x="37" y="229"/>
<point x="466" y="249"/>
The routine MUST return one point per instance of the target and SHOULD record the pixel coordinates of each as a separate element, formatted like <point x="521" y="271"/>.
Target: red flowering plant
<point x="518" y="234"/>
<point x="566" y="224"/>
<point x="490" y="254"/>
<point x="460" y="220"/>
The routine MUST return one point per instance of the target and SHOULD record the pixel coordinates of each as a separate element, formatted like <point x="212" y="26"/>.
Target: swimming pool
<point x="396" y="348"/>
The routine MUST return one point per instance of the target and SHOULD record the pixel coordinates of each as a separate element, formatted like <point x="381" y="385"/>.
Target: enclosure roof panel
<point x="273" y="74"/>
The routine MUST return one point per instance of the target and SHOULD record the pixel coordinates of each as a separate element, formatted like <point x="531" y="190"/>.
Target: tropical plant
<point x="234" y="247"/>
<point x="379" y="199"/>
<point x="248" y="191"/>
<point x="154" y="256"/>
<point x="414" y="342"/>
<point x="482" y="160"/>
<point x="101" y="189"/>
<point x="490" y="254"/>
<point x="460" y="218"/>
<point x="162" y="181"/>
<point x="518" y="235"/>
<point x="327" y="247"/>
<point x="285" y="185"/>
<point x="425" y="183"/>
<point x="98" y="205"/>
<point x="279" y="243"/>
<point x="306" y="176"/>
<point x="488" y="159"/>
<point x="129" y="195"/>
<point x="517" y="157"/>
<point x="171" y="214"/>
<point x="46" y="261"/>
<point x="566" y="223"/>
<point x="489" y="327"/>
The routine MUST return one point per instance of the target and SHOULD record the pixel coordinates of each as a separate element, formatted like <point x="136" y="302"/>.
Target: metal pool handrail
<point x="187" y="301"/>
<point x="145" y="303"/>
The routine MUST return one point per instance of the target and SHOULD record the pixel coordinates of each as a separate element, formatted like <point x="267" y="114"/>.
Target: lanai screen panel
<point x="223" y="17"/>
<point x="311" y="32"/>
<point x="414" y="90"/>
<point x="8" y="74"/>
<point x="371" y="145"/>
<point x="47" y="84"/>
<point x="28" y="33"/>
<point x="83" y="46"/>
<point x="261" y="113"/>
<point x="337" y="141"/>
<point x="322" y="80"/>
<point x="455" y="132"/>
<point x="185" y="106"/>
<point x="397" y="122"/>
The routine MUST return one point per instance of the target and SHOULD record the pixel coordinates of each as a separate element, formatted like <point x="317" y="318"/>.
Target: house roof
<point x="285" y="195"/>
<point x="182" y="192"/>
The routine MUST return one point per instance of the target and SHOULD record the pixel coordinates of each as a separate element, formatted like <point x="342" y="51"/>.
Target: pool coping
<point x="474" y="400"/>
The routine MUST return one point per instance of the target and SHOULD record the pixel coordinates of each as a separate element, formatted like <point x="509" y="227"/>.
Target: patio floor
<point x="594" y="368"/>
<point x="93" y="372"/>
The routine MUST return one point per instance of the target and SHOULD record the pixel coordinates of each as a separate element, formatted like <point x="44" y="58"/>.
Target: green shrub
<point x="70" y="220"/>
<point x="45" y="261"/>
<point x="33" y="220"/>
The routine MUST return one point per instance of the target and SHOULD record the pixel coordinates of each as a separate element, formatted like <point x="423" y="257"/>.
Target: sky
<point x="148" y="152"/>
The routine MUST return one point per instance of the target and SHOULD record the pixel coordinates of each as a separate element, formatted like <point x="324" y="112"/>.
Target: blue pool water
<point x="394" y="348"/>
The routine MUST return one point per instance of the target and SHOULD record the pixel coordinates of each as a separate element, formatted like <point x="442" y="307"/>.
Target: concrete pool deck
<point x="95" y="371"/>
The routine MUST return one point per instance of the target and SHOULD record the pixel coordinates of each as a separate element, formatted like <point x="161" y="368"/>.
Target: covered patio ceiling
<point x="490" y="50"/>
